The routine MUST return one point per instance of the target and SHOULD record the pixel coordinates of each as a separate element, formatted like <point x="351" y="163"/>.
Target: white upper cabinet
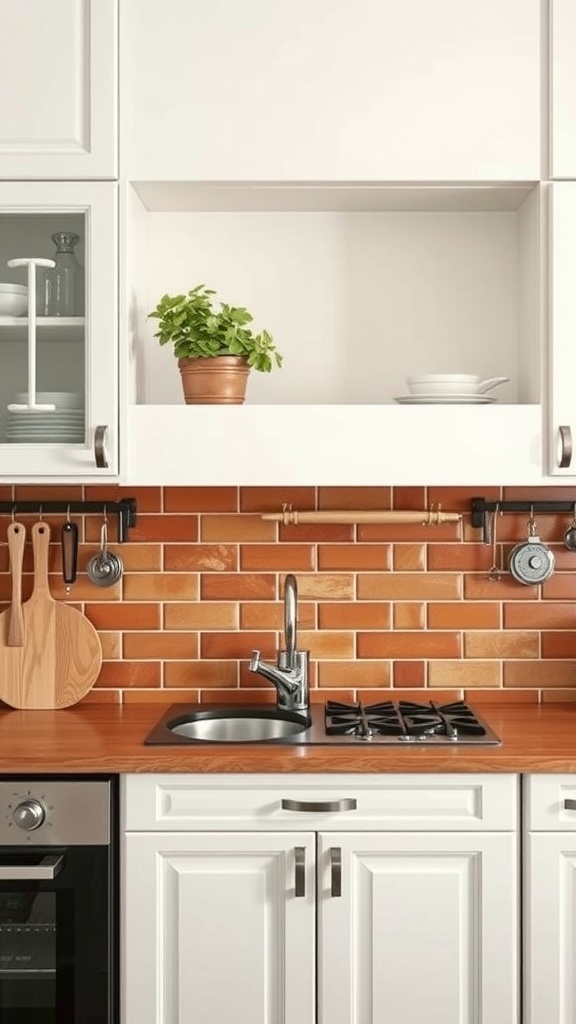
<point x="58" y="83"/>
<point x="563" y="88"/>
<point x="64" y="355"/>
<point x="330" y="90"/>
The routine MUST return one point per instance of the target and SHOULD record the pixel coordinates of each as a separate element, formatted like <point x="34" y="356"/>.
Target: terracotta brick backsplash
<point x="387" y="611"/>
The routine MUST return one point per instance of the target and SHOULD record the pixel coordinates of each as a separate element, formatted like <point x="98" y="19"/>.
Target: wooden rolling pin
<point x="426" y="517"/>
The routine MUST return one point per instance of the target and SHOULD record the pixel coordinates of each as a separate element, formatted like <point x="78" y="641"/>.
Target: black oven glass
<point x="55" y="936"/>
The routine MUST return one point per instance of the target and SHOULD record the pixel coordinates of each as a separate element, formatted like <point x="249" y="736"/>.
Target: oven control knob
<point x="29" y="815"/>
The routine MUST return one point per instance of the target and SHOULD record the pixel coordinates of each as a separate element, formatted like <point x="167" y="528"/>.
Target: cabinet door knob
<point x="100" y="453"/>
<point x="300" y="871"/>
<point x="569" y="805"/>
<point x="564" y="447"/>
<point x="318" y="806"/>
<point x="336" y="870"/>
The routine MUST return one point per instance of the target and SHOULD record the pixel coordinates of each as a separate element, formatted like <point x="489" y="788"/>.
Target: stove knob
<point x="29" y="815"/>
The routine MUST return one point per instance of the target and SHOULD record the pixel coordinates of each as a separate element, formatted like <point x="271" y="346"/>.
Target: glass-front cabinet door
<point x="58" y="330"/>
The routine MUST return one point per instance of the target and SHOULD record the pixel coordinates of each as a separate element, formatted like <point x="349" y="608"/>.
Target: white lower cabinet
<point x="550" y="899"/>
<point x="320" y="924"/>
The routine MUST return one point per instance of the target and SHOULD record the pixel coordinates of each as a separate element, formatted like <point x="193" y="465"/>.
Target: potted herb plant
<point x="215" y="348"/>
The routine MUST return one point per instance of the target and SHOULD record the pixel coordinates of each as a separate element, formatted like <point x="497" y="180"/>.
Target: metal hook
<point x="14" y="507"/>
<point x="68" y="514"/>
<point x="39" y="513"/>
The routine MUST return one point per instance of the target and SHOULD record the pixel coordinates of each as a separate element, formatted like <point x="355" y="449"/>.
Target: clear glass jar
<point x="63" y="285"/>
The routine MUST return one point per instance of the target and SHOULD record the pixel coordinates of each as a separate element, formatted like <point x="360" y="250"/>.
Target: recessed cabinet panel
<point x="361" y="90"/>
<point x="563" y="88"/>
<point x="58" y="80"/>
<point x="58" y="379"/>
<point x="417" y="927"/>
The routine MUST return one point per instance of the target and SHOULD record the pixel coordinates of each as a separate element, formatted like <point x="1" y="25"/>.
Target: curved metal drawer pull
<point x="336" y="869"/>
<point x="569" y="805"/>
<point x="347" y="803"/>
<point x="299" y="870"/>
<point x="100" y="453"/>
<point x="564" y="447"/>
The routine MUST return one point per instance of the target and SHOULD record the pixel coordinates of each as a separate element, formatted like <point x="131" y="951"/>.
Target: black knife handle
<point x="69" y="552"/>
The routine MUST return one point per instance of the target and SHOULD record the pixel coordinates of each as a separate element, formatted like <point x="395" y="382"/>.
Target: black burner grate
<point x="402" y="718"/>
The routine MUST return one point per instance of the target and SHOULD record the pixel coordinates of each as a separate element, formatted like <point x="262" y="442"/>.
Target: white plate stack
<point x="65" y="425"/>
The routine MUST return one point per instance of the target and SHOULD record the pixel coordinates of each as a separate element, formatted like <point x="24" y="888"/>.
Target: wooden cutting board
<point x="61" y="655"/>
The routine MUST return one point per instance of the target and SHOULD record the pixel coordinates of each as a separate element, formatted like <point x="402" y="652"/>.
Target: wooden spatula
<point x="16" y="541"/>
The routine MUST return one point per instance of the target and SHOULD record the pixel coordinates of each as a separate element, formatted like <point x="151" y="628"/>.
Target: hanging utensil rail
<point x="481" y="509"/>
<point x="125" y="509"/>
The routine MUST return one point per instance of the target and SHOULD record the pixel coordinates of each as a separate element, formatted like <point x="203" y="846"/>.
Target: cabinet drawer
<point x="399" y="802"/>
<point x="547" y="800"/>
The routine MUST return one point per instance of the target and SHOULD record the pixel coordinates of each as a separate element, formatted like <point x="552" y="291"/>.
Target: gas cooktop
<point x="389" y="723"/>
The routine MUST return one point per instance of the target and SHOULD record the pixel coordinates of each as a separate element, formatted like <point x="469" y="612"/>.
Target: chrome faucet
<point x="290" y="676"/>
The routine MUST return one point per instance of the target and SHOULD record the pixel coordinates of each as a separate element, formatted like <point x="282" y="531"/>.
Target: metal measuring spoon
<point x="570" y="535"/>
<point x="105" y="568"/>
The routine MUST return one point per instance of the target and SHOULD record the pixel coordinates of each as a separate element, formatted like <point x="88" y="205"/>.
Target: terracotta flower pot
<point x="220" y="380"/>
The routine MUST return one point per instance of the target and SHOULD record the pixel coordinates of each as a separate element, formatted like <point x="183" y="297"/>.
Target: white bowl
<point x="13" y="299"/>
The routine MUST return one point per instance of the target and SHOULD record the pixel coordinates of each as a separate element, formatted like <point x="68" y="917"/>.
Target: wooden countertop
<point x="95" y="738"/>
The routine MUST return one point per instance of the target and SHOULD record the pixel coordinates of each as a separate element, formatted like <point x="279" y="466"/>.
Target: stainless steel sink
<point x="237" y="725"/>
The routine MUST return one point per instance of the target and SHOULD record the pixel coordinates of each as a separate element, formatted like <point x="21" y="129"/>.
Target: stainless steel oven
<point x="58" y="901"/>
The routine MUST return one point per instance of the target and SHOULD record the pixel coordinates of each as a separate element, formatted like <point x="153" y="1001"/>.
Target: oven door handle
<point x="50" y="866"/>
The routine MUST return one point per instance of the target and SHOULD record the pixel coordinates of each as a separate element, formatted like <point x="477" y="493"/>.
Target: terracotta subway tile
<point x="156" y="586"/>
<point x="496" y="697"/>
<point x="237" y="645"/>
<point x="531" y="493"/>
<point x="410" y="532"/>
<point x="272" y="499"/>
<point x="270" y="615"/>
<point x="238" y="587"/>
<point x="135" y="557"/>
<point x="201" y="674"/>
<point x="201" y="557"/>
<point x="230" y="529"/>
<point x="464" y="673"/>
<point x="354" y="615"/>
<point x="354" y="498"/>
<point x="111" y="644"/>
<point x="123" y="615"/>
<point x="148" y="499"/>
<point x="518" y="644"/>
<point x="514" y="527"/>
<point x="48" y="492"/>
<point x="409" y="557"/>
<point x="316" y="533"/>
<point x="326" y="586"/>
<point x="557" y="696"/>
<point x="398" y="586"/>
<point x="162" y="528"/>
<point x="162" y="697"/>
<point x="478" y="588"/>
<point x="409" y="615"/>
<point x="6" y="492"/>
<point x="419" y="695"/>
<point x="4" y="559"/>
<point x="354" y="556"/>
<point x="561" y="586"/>
<point x="540" y="615"/>
<point x="200" y="499"/>
<point x="155" y="645"/>
<point x="413" y="498"/>
<point x="198" y="615"/>
<point x="540" y="673"/>
<point x="464" y="615"/>
<point x="352" y="674"/>
<point x="408" y="674"/>
<point x="411" y="645"/>
<point x="95" y="696"/>
<point x="559" y="645"/>
<point x="277" y="557"/>
<point x="84" y="590"/>
<point x="343" y="696"/>
<point x="331" y="644"/>
<point x="235" y="696"/>
<point x="460" y="557"/>
<point x="125" y="674"/>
